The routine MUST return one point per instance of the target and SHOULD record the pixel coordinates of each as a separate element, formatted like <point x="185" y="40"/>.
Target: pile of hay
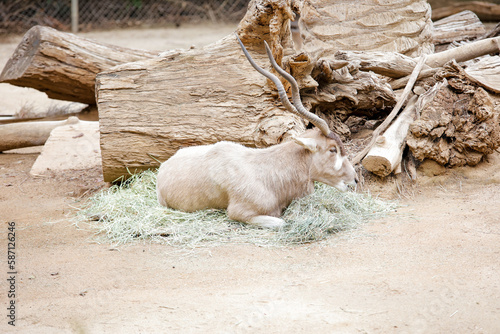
<point x="130" y="211"/>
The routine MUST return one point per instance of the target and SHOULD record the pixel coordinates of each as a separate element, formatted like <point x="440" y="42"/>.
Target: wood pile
<point x="370" y="70"/>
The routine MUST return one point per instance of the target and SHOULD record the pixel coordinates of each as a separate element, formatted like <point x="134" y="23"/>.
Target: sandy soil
<point x="432" y="267"/>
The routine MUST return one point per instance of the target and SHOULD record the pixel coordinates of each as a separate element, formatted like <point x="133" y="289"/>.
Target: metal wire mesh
<point x="17" y="16"/>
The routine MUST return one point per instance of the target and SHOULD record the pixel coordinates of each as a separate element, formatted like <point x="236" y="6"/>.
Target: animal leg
<point x="245" y="213"/>
<point x="267" y="222"/>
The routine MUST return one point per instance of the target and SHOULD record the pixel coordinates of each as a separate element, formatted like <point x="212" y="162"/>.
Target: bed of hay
<point x="130" y="211"/>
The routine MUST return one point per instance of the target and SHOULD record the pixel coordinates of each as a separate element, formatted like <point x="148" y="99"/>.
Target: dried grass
<point x="130" y="212"/>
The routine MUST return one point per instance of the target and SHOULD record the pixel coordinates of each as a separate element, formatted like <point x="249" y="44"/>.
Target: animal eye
<point x="333" y="150"/>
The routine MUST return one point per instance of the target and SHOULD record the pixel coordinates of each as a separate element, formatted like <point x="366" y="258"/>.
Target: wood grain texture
<point x="486" y="11"/>
<point x="27" y="134"/>
<point x="63" y="65"/>
<point x="149" y="109"/>
<point x="458" y="124"/>
<point x="402" y="26"/>
<point x="458" y="27"/>
<point x="385" y="156"/>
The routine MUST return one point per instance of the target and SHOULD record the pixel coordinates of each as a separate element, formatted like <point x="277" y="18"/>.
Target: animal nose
<point x="356" y="179"/>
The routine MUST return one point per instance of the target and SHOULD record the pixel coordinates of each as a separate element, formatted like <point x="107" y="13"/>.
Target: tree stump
<point x="458" y="125"/>
<point x="402" y="26"/>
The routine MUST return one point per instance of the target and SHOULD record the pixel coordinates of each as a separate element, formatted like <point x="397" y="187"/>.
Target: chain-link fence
<point x="17" y="16"/>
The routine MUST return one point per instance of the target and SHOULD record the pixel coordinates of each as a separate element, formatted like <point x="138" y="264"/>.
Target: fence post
<point x="74" y="16"/>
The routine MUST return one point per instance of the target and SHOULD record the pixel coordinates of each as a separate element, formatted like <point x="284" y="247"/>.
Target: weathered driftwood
<point x="64" y="65"/>
<point x="456" y="127"/>
<point x="347" y="83"/>
<point x="385" y="156"/>
<point x="389" y="64"/>
<point x="149" y="109"/>
<point x="460" y="54"/>
<point x="402" y="100"/>
<point x="492" y="33"/>
<point x="486" y="11"/>
<point x="458" y="27"/>
<point x="347" y="91"/>
<point x="399" y="66"/>
<point x="465" y="52"/>
<point x="485" y="72"/>
<point x="26" y="134"/>
<point x="402" y="26"/>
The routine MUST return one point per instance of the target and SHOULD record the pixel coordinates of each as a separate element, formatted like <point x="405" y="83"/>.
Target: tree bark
<point x="385" y="124"/>
<point x="149" y="109"/>
<point x="402" y="26"/>
<point x="458" y="27"/>
<point x="63" y="65"/>
<point x="457" y="126"/>
<point x="486" y="11"/>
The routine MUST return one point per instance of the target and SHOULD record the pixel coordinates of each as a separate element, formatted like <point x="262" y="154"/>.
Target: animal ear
<point x="307" y="143"/>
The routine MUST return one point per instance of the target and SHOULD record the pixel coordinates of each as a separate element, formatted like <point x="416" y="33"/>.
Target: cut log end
<point x="377" y="165"/>
<point x="22" y="56"/>
<point x="62" y="65"/>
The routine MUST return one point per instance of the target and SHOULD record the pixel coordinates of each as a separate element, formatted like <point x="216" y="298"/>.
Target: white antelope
<point x="255" y="185"/>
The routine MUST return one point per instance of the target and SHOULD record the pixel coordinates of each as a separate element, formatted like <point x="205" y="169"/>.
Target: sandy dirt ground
<point x="431" y="267"/>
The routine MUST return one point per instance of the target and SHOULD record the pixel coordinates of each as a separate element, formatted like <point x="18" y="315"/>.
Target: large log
<point x="151" y="108"/>
<point x="458" y="27"/>
<point x="64" y="65"/>
<point x="486" y="11"/>
<point x="27" y="134"/>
